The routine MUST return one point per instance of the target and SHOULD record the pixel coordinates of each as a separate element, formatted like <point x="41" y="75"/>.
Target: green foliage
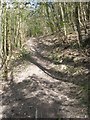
<point x="21" y="22"/>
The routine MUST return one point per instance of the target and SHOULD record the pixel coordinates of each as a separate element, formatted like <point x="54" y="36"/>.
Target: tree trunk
<point x="77" y="24"/>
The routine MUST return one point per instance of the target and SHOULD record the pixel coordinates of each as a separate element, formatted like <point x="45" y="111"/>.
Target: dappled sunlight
<point x="45" y="96"/>
<point x="44" y="59"/>
<point x="28" y="71"/>
<point x="42" y="88"/>
<point x="1" y="111"/>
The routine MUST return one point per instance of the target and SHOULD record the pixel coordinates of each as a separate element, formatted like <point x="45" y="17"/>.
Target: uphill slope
<point x="43" y="89"/>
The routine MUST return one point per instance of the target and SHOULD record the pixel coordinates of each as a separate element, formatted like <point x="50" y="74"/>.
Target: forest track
<point x="35" y="92"/>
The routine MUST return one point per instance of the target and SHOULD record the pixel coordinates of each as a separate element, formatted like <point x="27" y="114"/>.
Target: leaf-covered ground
<point x="50" y="81"/>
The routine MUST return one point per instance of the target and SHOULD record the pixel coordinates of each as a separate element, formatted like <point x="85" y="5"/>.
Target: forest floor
<point x="50" y="81"/>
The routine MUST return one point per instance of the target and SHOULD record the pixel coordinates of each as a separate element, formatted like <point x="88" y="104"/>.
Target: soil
<point x="45" y="85"/>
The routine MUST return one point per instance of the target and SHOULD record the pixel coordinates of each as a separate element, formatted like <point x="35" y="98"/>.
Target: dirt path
<point x="38" y="91"/>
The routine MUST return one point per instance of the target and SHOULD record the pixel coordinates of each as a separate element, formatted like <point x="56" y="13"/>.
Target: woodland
<point x="44" y="59"/>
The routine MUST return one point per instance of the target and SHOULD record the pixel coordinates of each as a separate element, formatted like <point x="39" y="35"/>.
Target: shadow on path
<point x="78" y="79"/>
<point x="21" y="102"/>
<point x="36" y="98"/>
<point x="30" y="98"/>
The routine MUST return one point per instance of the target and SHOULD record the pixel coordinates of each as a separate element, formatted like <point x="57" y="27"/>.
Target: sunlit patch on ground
<point x="41" y="88"/>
